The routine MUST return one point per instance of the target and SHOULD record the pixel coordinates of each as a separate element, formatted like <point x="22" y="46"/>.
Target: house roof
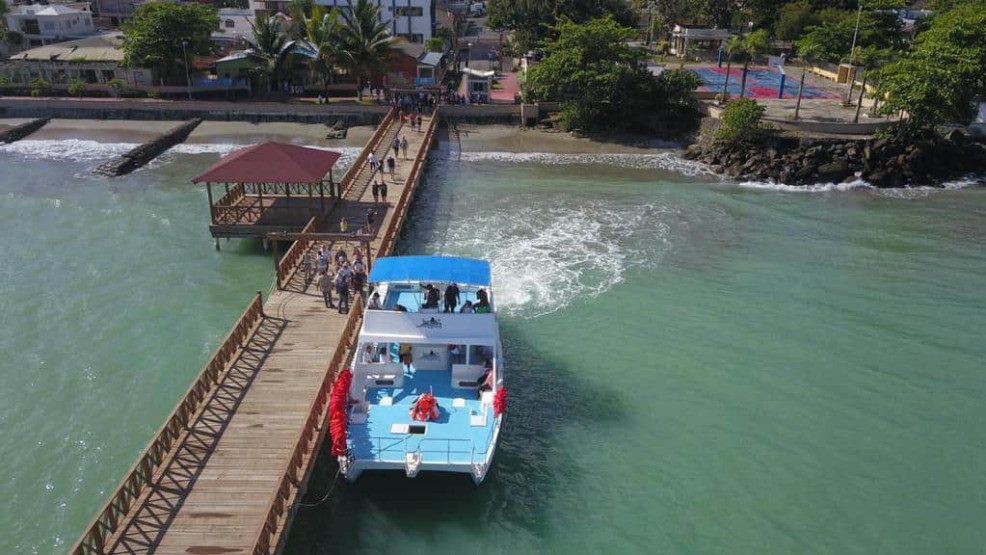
<point x="431" y="58"/>
<point x="105" y="47"/>
<point x="36" y="10"/>
<point x="412" y="49"/>
<point x="271" y="162"/>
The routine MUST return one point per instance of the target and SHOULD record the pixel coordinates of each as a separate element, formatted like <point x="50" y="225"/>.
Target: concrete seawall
<point x="22" y="130"/>
<point x="148" y="151"/>
<point x="254" y="112"/>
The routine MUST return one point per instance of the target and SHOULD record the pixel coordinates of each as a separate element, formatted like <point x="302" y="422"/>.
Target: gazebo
<point x="269" y="187"/>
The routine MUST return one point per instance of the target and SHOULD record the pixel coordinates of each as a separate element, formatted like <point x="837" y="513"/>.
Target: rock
<point x="955" y="136"/>
<point x="835" y="170"/>
<point x="806" y="171"/>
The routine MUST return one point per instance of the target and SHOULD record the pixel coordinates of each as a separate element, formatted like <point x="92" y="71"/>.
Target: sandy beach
<point x="510" y="138"/>
<point x="474" y="138"/>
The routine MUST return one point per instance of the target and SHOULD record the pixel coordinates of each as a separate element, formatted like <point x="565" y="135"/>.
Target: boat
<point x="411" y="399"/>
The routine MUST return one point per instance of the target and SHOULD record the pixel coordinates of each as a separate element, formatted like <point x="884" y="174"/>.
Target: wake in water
<point x="664" y="161"/>
<point x="80" y="150"/>
<point x="546" y="257"/>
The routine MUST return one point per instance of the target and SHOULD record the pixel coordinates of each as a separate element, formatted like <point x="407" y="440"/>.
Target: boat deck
<point x="452" y="439"/>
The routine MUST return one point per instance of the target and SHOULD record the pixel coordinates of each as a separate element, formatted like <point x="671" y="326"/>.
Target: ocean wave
<point x="546" y="258"/>
<point x="814" y="188"/>
<point x="80" y="150"/>
<point x="670" y="161"/>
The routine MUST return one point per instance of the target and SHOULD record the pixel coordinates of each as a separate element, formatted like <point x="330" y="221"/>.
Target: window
<point x="413" y="11"/>
<point x="108" y="75"/>
<point x="48" y="25"/>
<point x="425" y="72"/>
<point x="230" y="24"/>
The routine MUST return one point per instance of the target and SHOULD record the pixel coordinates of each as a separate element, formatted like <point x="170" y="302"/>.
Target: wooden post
<point x="260" y="194"/>
<point x="260" y="297"/>
<point x="321" y="195"/>
<point x="212" y="209"/>
<point x="366" y="248"/>
<point x="331" y="183"/>
<point x="277" y="264"/>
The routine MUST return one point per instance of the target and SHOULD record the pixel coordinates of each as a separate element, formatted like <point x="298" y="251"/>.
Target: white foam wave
<point x="670" y="161"/>
<point x="66" y="149"/>
<point x="814" y="188"/>
<point x="546" y="258"/>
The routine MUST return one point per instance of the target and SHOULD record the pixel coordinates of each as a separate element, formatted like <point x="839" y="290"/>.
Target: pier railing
<point x="371" y="146"/>
<point x="394" y="229"/>
<point x="141" y="474"/>
<point x="287" y="265"/>
<point x="232" y="196"/>
<point x="299" y="466"/>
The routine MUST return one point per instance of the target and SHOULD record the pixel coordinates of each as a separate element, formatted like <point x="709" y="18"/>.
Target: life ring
<point x="425" y="408"/>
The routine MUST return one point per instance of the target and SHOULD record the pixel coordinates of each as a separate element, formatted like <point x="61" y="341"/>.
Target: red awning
<point x="271" y="162"/>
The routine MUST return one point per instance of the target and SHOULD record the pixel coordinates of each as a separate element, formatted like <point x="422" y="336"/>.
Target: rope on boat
<point x="327" y="494"/>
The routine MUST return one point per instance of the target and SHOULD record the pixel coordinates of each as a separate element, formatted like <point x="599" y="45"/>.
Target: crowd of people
<point x="337" y="274"/>
<point x="448" y="302"/>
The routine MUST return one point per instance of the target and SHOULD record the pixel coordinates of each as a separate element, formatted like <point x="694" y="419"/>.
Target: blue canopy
<point x="426" y="269"/>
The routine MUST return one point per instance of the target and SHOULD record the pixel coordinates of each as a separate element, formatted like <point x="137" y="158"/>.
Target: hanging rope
<point x="327" y="494"/>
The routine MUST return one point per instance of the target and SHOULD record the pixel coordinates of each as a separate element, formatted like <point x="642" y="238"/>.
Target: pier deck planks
<point x="214" y="491"/>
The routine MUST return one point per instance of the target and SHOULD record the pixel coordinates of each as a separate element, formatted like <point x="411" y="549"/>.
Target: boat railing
<point x="447" y="451"/>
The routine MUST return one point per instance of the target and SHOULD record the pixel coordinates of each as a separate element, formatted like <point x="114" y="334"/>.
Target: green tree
<point x="754" y="44"/>
<point x="938" y="80"/>
<point x="868" y="59"/>
<point x="273" y="48"/>
<point x="435" y="44"/>
<point x="321" y="30"/>
<point x="153" y="38"/>
<point x="77" y="87"/>
<point x="3" y="19"/>
<point x="741" y="121"/>
<point x="808" y="51"/>
<point x="40" y="87"/>
<point x="601" y="81"/>
<point x="365" y="41"/>
<point x="534" y="20"/>
<point x="794" y="19"/>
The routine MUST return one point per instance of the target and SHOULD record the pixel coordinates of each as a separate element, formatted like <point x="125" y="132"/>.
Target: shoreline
<point x="473" y="137"/>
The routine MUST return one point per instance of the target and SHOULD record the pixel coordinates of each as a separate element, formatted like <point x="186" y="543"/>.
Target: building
<point x="411" y="67"/>
<point x="235" y="26"/>
<point x="413" y="20"/>
<point x="41" y="25"/>
<point x="687" y="40"/>
<point x="116" y="11"/>
<point x="96" y="60"/>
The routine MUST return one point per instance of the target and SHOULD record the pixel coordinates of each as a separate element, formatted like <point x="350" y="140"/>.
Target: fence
<point x="289" y="262"/>
<point x="140" y="476"/>
<point x="299" y="466"/>
<point x="357" y="166"/>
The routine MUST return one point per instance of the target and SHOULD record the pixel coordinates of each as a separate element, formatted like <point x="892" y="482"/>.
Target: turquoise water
<point x="693" y="367"/>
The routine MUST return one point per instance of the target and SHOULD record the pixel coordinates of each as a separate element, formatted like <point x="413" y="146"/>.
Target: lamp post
<point x="188" y="75"/>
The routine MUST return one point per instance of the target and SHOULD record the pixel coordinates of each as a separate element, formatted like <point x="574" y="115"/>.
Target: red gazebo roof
<point x="271" y="162"/>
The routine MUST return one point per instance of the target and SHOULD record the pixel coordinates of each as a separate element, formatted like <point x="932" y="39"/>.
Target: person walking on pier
<point x="404" y="146"/>
<point x="325" y="285"/>
<point x="383" y="192"/>
<point x="397" y="146"/>
<point x="376" y="192"/>
<point x="373" y="162"/>
<point x="359" y="277"/>
<point x="342" y="288"/>
<point x="391" y="165"/>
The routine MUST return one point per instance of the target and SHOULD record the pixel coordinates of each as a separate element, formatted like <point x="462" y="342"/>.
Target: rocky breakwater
<point x="883" y="162"/>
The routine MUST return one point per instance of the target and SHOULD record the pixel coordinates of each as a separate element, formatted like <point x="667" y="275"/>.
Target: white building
<point x="234" y="26"/>
<point x="41" y="25"/>
<point x="413" y="20"/>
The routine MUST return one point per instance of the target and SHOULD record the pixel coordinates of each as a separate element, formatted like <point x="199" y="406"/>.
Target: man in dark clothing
<point x="431" y="296"/>
<point x="451" y="297"/>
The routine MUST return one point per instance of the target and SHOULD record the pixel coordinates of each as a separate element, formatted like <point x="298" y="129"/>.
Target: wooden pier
<point x="225" y="471"/>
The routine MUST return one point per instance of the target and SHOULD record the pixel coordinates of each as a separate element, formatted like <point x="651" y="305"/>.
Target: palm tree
<point x="272" y="46"/>
<point x="365" y="41"/>
<point x="808" y="50"/>
<point x="734" y="45"/>
<point x="321" y="30"/>
<point x="753" y="45"/>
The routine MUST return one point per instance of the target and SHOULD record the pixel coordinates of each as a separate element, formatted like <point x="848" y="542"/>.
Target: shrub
<point x="77" y="87"/>
<point x="741" y="121"/>
<point x="40" y="87"/>
<point x="115" y="85"/>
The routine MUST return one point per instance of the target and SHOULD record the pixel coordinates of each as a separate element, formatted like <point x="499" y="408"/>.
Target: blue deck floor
<point x="450" y="439"/>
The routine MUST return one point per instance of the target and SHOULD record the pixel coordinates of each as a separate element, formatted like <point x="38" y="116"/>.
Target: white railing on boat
<point x="383" y="445"/>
